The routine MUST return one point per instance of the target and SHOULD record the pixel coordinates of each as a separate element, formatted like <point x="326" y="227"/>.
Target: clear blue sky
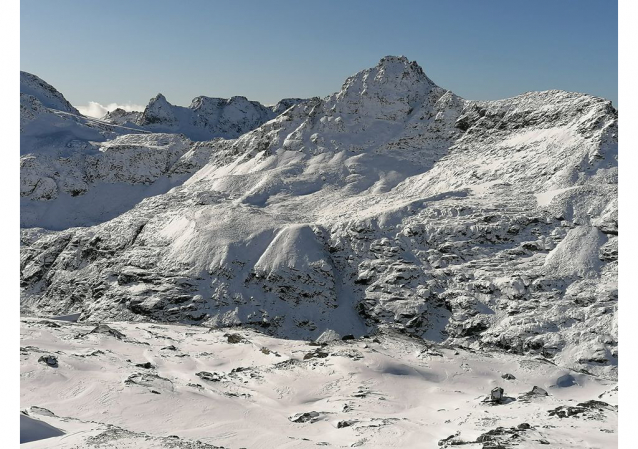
<point x="128" y="51"/>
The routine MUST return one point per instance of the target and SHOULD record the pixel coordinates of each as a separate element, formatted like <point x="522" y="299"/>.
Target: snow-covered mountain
<point x="80" y="171"/>
<point x="206" y="117"/>
<point x="99" y="181"/>
<point x="46" y="94"/>
<point x="49" y="124"/>
<point x="121" y="117"/>
<point x="392" y="203"/>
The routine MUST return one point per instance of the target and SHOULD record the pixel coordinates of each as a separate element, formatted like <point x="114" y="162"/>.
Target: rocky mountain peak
<point x="209" y="117"/>
<point x="46" y="94"/>
<point x="285" y="103"/>
<point x="120" y="116"/>
<point x="391" y="89"/>
<point x="238" y="98"/>
<point x="210" y="103"/>
<point x="158" y="98"/>
<point x="400" y="66"/>
<point x="158" y="111"/>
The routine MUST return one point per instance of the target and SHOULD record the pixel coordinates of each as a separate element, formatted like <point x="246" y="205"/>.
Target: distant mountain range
<point x="205" y="119"/>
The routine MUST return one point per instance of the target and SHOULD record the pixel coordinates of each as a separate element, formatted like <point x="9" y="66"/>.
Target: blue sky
<point x="128" y="51"/>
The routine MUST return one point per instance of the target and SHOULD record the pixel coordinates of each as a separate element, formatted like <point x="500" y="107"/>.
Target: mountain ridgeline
<point x="390" y="204"/>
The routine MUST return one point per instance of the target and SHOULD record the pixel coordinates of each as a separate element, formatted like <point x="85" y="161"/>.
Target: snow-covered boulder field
<point x="392" y="206"/>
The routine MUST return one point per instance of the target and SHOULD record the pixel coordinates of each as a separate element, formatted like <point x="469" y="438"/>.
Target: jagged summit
<point x="395" y="68"/>
<point x="286" y="103"/>
<point x="393" y="88"/>
<point x="208" y="117"/>
<point x="158" y="112"/>
<point x="159" y="101"/>
<point x="120" y="116"/>
<point x="158" y="98"/>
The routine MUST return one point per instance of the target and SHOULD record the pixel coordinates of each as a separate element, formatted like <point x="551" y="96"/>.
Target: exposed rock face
<point x="285" y="104"/>
<point x="305" y="417"/>
<point x="391" y="203"/>
<point x="30" y="108"/>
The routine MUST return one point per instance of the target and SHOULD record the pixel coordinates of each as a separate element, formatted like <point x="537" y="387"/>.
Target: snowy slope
<point x="98" y="181"/>
<point x="49" y="124"/>
<point x="80" y="171"/>
<point x="392" y="203"/>
<point x="46" y="94"/>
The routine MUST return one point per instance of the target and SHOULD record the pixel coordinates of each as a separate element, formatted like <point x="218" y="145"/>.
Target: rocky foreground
<point x="171" y="386"/>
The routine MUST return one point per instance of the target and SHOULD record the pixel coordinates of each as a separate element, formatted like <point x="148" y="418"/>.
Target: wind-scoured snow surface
<point x="392" y="207"/>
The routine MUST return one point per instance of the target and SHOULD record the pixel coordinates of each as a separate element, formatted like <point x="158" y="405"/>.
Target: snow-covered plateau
<point x="449" y="241"/>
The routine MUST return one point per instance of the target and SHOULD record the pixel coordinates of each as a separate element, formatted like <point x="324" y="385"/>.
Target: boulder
<point x="234" y="338"/>
<point x="211" y="377"/>
<point x="107" y="330"/>
<point x="535" y="392"/>
<point x="566" y="380"/>
<point x="49" y="360"/>
<point x="497" y="394"/>
<point x="146" y="365"/>
<point x="327" y="336"/>
<point x="305" y="417"/>
<point x="342" y="424"/>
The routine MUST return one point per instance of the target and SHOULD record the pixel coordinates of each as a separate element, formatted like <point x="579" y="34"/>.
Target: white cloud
<point x="97" y="110"/>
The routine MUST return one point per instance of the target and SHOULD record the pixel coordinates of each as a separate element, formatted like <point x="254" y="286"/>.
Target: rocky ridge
<point x="206" y="117"/>
<point x="121" y="117"/>
<point x="46" y="94"/>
